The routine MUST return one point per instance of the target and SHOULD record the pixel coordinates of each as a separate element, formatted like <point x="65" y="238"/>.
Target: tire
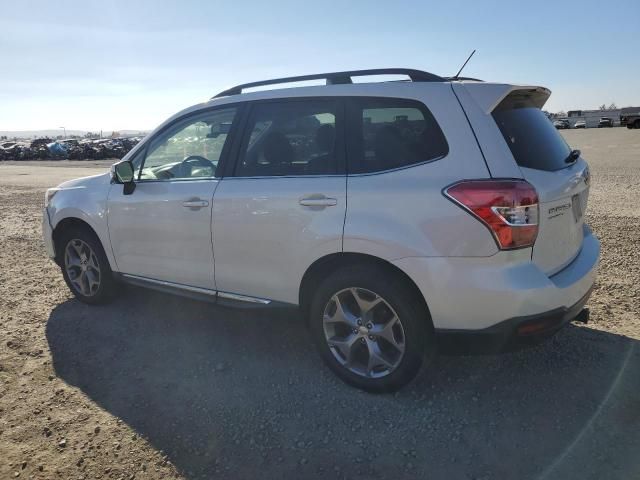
<point x="81" y="256"/>
<point x="636" y="124"/>
<point x="411" y="338"/>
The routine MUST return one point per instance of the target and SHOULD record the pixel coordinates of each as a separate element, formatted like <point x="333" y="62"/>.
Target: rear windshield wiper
<point x="572" y="157"/>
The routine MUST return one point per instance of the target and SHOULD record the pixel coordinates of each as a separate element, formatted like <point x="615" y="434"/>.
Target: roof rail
<point x="337" y="78"/>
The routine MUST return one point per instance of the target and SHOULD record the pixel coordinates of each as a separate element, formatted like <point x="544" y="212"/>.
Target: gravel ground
<point x="154" y="386"/>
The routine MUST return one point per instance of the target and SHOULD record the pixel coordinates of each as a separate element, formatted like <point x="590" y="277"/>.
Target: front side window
<point x="388" y="133"/>
<point x="189" y="149"/>
<point x="289" y="138"/>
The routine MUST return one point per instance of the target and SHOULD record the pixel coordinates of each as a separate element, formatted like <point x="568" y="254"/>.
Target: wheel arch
<point x="64" y="225"/>
<point x="323" y="266"/>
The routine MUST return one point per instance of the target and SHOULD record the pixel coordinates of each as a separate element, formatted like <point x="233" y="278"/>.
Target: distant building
<point x="592" y="117"/>
<point x="630" y="111"/>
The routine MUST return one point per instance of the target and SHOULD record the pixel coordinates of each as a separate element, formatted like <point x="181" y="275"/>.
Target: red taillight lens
<point x="508" y="207"/>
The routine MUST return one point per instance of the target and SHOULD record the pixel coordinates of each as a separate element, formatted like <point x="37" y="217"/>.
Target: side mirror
<point x="122" y="172"/>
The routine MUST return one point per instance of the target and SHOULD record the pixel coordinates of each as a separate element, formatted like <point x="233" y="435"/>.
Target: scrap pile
<point x="48" y="149"/>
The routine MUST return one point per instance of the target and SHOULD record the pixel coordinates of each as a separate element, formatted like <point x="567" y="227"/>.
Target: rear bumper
<point x="510" y="334"/>
<point x="492" y="296"/>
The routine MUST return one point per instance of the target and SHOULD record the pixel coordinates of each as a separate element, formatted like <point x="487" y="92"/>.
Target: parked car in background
<point x="605" y="122"/>
<point x="630" y="117"/>
<point x="398" y="217"/>
<point x="562" y="124"/>
<point x="580" y="124"/>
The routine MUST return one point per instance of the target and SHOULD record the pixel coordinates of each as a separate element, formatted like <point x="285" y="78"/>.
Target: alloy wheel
<point x="363" y="332"/>
<point x="82" y="267"/>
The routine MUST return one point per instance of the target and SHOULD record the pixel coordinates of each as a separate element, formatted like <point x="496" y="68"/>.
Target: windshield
<point x="532" y="138"/>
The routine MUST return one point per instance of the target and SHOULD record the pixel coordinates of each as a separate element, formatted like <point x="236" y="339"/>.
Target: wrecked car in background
<point x="69" y="149"/>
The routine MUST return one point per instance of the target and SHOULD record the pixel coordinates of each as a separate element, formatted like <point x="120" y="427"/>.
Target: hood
<point x="100" y="179"/>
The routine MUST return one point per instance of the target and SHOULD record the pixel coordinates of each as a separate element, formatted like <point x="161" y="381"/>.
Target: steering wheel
<point x="196" y="161"/>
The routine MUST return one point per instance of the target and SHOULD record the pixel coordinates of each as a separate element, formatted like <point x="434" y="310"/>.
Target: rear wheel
<point x="636" y="124"/>
<point x="85" y="267"/>
<point x="370" y="328"/>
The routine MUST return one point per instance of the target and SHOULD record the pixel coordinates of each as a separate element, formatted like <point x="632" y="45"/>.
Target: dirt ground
<point x="154" y="386"/>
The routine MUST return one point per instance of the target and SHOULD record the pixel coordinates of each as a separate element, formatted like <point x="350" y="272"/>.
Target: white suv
<point x="399" y="216"/>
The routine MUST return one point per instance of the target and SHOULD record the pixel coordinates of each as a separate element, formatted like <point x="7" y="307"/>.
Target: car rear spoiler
<point x="490" y="96"/>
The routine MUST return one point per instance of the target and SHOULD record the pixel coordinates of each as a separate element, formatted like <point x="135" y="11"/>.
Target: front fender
<point x="88" y="204"/>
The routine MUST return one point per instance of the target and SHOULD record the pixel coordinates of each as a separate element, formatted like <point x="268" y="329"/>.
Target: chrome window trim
<point x="186" y="179"/>
<point x="272" y="177"/>
<point x="397" y="169"/>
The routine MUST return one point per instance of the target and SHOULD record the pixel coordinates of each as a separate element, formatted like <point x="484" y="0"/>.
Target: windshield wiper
<point x="572" y="157"/>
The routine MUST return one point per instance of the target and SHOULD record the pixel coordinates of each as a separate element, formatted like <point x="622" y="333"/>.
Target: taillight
<point x="509" y="208"/>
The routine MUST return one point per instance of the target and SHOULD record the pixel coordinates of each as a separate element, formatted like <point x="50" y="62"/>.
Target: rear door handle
<point x="195" y="203"/>
<point x="318" y="201"/>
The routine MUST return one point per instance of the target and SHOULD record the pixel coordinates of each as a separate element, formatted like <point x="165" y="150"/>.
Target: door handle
<point x="195" y="203"/>
<point x="318" y="201"/>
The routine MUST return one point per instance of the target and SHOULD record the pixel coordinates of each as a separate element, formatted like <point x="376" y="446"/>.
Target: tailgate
<point x="563" y="198"/>
<point x="543" y="157"/>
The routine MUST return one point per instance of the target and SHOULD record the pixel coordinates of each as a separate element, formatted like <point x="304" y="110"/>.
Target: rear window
<point x="532" y="138"/>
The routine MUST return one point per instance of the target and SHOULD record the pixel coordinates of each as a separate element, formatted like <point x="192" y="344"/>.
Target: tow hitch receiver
<point x="583" y="316"/>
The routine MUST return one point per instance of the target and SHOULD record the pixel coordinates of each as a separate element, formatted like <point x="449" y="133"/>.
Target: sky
<point x="116" y="65"/>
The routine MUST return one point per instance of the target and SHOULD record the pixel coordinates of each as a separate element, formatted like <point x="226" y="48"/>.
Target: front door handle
<point x="318" y="201"/>
<point x="195" y="203"/>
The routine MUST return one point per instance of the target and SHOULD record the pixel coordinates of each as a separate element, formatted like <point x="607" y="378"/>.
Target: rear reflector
<point x="509" y="208"/>
<point x="538" y="327"/>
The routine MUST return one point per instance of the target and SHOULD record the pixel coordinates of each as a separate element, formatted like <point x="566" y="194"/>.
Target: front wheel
<point x="85" y="266"/>
<point x="371" y="328"/>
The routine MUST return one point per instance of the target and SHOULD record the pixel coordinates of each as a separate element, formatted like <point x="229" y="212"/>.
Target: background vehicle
<point x="605" y="122"/>
<point x="630" y="117"/>
<point x="580" y="124"/>
<point x="394" y="229"/>
<point x="562" y="124"/>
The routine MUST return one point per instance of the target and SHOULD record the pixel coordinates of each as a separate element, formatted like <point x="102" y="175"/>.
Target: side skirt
<point x="226" y="299"/>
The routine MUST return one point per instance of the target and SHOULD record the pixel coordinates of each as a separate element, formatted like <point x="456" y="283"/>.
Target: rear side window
<point x="391" y="133"/>
<point x="530" y="135"/>
<point x="290" y="138"/>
